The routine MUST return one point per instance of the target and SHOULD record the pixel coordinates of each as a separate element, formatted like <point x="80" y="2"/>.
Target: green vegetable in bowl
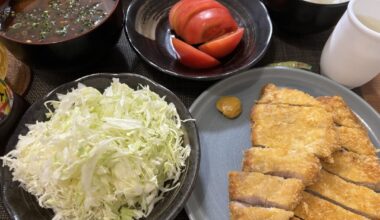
<point x="102" y="156"/>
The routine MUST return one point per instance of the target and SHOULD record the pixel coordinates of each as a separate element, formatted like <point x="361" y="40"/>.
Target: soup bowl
<point x="83" y="48"/>
<point x="305" y="17"/>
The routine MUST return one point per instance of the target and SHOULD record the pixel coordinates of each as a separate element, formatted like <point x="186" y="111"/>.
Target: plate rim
<point x="183" y="193"/>
<point x="253" y="73"/>
<point x="201" y="78"/>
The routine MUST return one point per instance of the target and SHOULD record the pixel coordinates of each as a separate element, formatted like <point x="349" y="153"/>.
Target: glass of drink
<point x="351" y="55"/>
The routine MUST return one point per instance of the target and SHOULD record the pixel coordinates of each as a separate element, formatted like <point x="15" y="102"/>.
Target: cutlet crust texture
<point x="314" y="208"/>
<point x="282" y="162"/>
<point x="239" y="211"/>
<point x="342" y="114"/>
<point x="271" y="94"/>
<point x="258" y="189"/>
<point x="356" y="168"/>
<point x="356" y="140"/>
<point x="300" y="128"/>
<point x="358" y="198"/>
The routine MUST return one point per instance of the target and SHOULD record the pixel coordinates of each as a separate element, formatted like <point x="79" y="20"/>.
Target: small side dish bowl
<point x="148" y="31"/>
<point x="42" y="36"/>
<point x="305" y="17"/>
<point x="22" y="205"/>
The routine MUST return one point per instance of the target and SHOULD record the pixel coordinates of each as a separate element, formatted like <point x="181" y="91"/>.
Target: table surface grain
<point x="122" y="58"/>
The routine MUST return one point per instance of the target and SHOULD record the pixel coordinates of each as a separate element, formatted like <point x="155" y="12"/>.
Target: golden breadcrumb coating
<point x="356" y="168"/>
<point x="282" y="162"/>
<point x="315" y="208"/>
<point x="271" y="94"/>
<point x="359" y="198"/>
<point x="356" y="140"/>
<point x="239" y="211"/>
<point x="342" y="114"/>
<point x="305" y="129"/>
<point x="258" y="189"/>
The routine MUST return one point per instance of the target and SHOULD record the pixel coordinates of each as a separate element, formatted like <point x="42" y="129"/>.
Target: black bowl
<point x="82" y="49"/>
<point x="302" y="17"/>
<point x="148" y="30"/>
<point x="22" y="205"/>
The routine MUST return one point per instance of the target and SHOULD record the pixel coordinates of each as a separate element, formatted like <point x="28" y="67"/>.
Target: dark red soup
<point x="46" y="21"/>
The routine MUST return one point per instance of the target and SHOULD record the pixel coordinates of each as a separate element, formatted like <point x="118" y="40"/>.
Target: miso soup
<point x="46" y="21"/>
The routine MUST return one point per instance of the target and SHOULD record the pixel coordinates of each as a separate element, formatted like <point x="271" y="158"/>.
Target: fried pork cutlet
<point x="352" y="135"/>
<point x="271" y="94"/>
<point x="258" y="189"/>
<point x="359" y="199"/>
<point x="239" y="211"/>
<point x="315" y="208"/>
<point x="356" y="140"/>
<point x="356" y="168"/>
<point x="300" y="128"/>
<point x="282" y="162"/>
<point x="342" y="114"/>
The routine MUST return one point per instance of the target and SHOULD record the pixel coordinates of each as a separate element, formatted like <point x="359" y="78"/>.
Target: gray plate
<point x="223" y="140"/>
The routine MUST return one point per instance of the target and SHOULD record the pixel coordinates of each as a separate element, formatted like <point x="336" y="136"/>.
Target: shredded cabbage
<point x="101" y="156"/>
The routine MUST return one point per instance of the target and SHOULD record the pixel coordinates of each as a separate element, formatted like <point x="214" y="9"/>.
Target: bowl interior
<point x="327" y="2"/>
<point x="148" y="30"/>
<point x="304" y="17"/>
<point x="111" y="6"/>
<point x="22" y="205"/>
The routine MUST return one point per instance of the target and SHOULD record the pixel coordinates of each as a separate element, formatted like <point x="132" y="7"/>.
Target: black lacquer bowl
<point x="148" y="30"/>
<point x="22" y="205"/>
<point x="302" y="17"/>
<point x="81" y="50"/>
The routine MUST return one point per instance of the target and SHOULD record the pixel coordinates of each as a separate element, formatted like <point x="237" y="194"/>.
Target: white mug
<point x="351" y="55"/>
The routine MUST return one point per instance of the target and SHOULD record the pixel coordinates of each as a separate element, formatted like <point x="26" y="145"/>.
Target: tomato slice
<point x="191" y="8"/>
<point x="192" y="57"/>
<point x="207" y="25"/>
<point x="173" y="13"/>
<point x="224" y="45"/>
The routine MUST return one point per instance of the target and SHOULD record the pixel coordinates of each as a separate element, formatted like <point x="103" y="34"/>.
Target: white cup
<point x="351" y="55"/>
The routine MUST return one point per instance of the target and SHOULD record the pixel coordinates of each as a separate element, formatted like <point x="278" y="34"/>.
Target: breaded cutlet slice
<point x="282" y="162"/>
<point x="258" y="189"/>
<point x="342" y="114"/>
<point x="314" y="208"/>
<point x="271" y="94"/>
<point x="358" y="199"/>
<point x="239" y="211"/>
<point x="295" y="218"/>
<point x="356" y="168"/>
<point x="309" y="129"/>
<point x="356" y="140"/>
<point x="352" y="135"/>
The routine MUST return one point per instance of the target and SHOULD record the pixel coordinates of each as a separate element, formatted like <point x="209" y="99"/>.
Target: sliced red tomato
<point x="173" y="13"/>
<point x="190" y="9"/>
<point x="224" y="45"/>
<point x="192" y="57"/>
<point x="207" y="25"/>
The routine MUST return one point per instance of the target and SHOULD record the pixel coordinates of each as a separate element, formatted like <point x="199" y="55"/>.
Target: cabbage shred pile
<point x="102" y="156"/>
